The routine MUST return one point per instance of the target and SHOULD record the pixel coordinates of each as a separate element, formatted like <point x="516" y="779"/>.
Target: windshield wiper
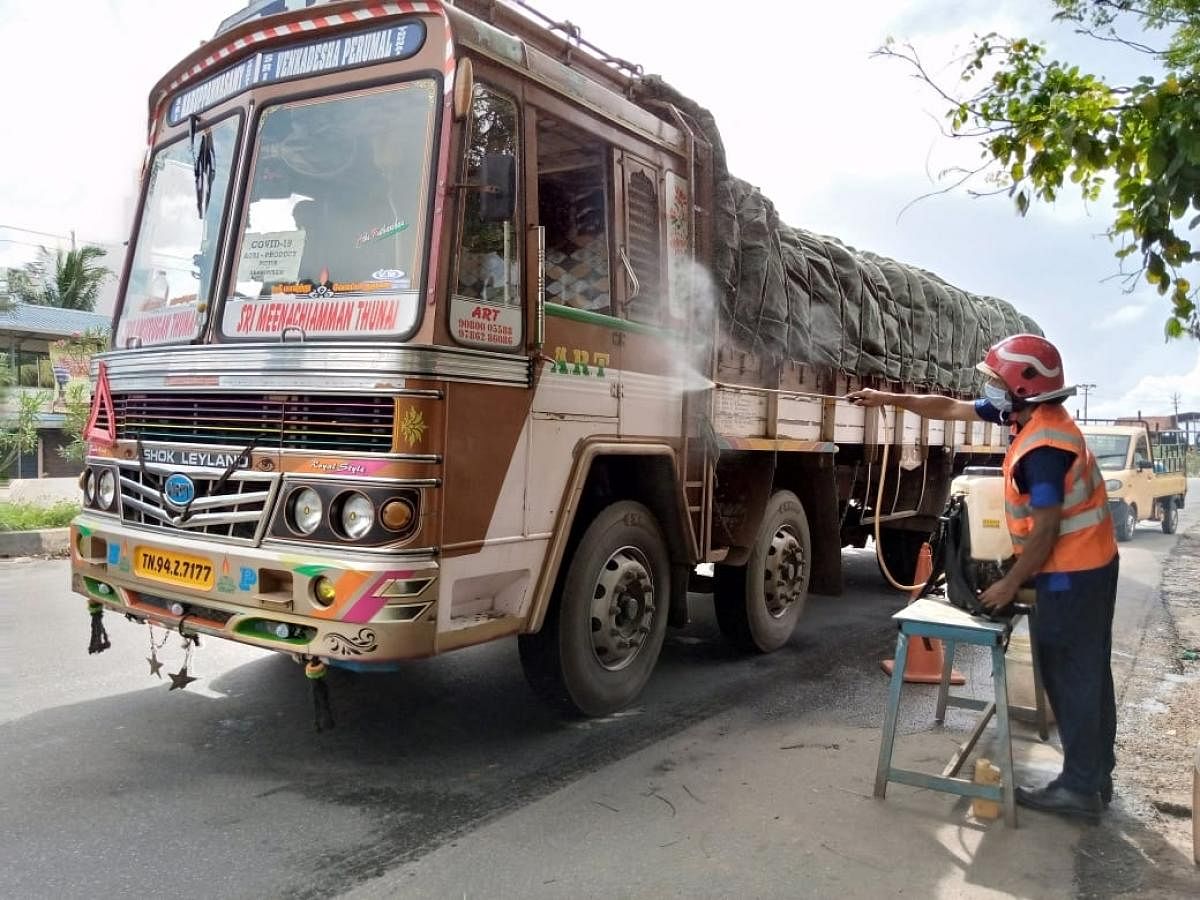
<point x="204" y="166"/>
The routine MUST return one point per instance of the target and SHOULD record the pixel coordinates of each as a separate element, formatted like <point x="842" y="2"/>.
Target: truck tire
<point x="900" y="550"/>
<point x="1170" y="514"/>
<point x="759" y="604"/>
<point x="605" y="629"/>
<point x="1125" y="520"/>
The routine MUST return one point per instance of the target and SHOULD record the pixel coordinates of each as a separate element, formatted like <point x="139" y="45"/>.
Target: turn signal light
<point x="396" y="515"/>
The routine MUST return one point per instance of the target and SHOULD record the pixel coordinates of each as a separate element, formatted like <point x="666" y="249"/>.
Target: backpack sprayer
<point x="972" y="548"/>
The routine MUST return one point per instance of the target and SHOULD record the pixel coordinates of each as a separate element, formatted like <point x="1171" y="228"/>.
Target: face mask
<point x="998" y="397"/>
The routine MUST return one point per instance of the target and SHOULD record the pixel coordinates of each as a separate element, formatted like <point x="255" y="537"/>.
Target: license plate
<point x="173" y="568"/>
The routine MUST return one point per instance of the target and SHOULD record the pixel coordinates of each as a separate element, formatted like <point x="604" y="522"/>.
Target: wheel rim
<point x="784" y="573"/>
<point x="1130" y="520"/>
<point x="622" y="608"/>
<point x="1172" y="516"/>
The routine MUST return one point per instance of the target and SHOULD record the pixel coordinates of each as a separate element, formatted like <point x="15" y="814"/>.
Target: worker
<point x="1057" y="512"/>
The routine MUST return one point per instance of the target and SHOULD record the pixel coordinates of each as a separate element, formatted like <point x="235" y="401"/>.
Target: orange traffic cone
<point x="926" y="657"/>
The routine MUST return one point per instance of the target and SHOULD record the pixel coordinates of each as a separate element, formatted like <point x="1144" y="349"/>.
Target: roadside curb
<point x="43" y="542"/>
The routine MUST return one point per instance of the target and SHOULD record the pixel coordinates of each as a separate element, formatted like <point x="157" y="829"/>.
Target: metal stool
<point x="936" y="618"/>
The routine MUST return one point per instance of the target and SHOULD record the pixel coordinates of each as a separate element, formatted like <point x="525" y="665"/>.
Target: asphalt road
<point x="115" y="786"/>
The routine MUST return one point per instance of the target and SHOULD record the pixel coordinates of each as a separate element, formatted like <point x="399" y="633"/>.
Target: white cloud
<point x="1123" y="315"/>
<point x="1152" y="395"/>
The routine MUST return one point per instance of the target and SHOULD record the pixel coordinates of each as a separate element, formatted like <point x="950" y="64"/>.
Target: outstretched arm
<point x="931" y="406"/>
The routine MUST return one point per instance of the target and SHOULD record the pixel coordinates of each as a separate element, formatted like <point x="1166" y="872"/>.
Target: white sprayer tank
<point x="984" y="491"/>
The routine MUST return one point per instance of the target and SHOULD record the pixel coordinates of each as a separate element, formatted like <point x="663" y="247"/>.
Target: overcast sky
<point x="841" y="142"/>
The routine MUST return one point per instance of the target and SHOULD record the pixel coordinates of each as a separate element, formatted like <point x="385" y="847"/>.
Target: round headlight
<point x="305" y="510"/>
<point x="106" y="490"/>
<point x="89" y="487"/>
<point x="358" y="515"/>
<point x="1113" y="484"/>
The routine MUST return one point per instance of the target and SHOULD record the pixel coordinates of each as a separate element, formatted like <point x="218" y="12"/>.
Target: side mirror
<point x="498" y="186"/>
<point x="1144" y="464"/>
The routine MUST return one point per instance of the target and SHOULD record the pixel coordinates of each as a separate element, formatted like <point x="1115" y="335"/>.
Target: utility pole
<point x="1175" y="403"/>
<point x="1085" y="389"/>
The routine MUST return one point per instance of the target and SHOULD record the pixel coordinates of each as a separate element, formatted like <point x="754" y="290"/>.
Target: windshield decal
<point x="315" y="57"/>
<point x="319" y="316"/>
<point x="381" y="231"/>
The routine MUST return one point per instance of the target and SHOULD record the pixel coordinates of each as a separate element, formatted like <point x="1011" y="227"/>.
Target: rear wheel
<point x="1125" y="520"/>
<point x="759" y="604"/>
<point x="1170" y="515"/>
<point x="603" y="635"/>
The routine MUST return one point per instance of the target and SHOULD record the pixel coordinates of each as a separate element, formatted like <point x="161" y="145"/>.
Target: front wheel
<point x="1170" y="515"/>
<point x="759" y="604"/>
<point x="1125" y="520"/>
<point x="603" y="635"/>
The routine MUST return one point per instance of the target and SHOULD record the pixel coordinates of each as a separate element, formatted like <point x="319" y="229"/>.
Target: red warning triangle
<point x="101" y="425"/>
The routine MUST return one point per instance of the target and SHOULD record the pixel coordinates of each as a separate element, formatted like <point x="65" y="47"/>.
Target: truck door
<point x="578" y="390"/>
<point x="1143" y="477"/>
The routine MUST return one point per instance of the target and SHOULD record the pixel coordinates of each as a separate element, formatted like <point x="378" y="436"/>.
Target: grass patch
<point x="31" y="516"/>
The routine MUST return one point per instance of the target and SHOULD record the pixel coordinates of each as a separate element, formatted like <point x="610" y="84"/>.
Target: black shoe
<point x="1057" y="799"/>
<point x="1106" y="789"/>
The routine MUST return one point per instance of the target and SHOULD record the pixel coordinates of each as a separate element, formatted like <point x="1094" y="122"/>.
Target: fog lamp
<point x="323" y="590"/>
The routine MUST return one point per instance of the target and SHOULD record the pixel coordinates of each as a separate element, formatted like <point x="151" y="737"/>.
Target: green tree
<point x="1046" y="126"/>
<point x="68" y="279"/>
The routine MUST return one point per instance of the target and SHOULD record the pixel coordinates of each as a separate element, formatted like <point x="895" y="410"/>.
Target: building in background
<point x="27" y="334"/>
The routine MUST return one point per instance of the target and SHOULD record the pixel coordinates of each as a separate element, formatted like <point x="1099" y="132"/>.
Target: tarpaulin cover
<point x="791" y="294"/>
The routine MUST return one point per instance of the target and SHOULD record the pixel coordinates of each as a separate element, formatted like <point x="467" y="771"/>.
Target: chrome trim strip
<point x="304" y="367"/>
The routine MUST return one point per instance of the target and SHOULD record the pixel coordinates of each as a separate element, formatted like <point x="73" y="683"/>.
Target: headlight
<point x="358" y="515"/>
<point x="106" y="490"/>
<point x="305" y="510"/>
<point x="1113" y="484"/>
<point x="89" y="487"/>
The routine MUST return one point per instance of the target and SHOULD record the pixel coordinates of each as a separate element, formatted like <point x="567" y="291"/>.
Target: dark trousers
<point x="1074" y="644"/>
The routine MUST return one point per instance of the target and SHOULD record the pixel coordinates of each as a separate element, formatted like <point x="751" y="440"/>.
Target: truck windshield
<point x="334" y="230"/>
<point x="176" y="249"/>
<point x="1110" y="450"/>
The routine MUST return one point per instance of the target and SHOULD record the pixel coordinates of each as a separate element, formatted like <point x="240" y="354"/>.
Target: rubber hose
<point x="907" y="588"/>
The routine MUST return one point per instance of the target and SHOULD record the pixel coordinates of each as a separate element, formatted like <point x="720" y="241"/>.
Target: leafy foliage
<point x="66" y="279"/>
<point x="19" y="433"/>
<point x="30" y="516"/>
<point x="1046" y="126"/>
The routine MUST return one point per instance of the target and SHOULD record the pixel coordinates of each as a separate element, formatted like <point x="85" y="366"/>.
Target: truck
<point x="1145" y="471"/>
<point x="440" y="325"/>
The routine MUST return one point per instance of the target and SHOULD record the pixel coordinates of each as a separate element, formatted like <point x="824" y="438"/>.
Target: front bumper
<point x="384" y="608"/>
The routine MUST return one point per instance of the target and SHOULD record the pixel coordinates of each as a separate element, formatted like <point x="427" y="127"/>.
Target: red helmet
<point x="1028" y="365"/>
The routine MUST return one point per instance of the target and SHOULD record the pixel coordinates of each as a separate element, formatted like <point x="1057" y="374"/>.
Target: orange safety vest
<point x="1085" y="533"/>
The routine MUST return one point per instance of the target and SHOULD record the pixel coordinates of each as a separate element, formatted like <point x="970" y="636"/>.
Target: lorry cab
<point x="1143" y="471"/>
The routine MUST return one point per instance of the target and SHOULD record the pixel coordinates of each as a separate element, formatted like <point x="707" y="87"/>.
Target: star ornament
<point x="180" y="679"/>
<point x="155" y="666"/>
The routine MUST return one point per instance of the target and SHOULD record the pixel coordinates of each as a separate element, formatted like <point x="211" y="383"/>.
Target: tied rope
<point x="99" y="642"/>
<point x="315" y="671"/>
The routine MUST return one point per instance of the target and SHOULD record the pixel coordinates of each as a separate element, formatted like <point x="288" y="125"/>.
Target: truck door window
<point x="1141" y="453"/>
<point x="573" y="194"/>
<point x="489" y="262"/>
<point x="486" y="306"/>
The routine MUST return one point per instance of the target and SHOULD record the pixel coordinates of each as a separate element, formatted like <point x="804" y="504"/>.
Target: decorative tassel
<point x="100" y="641"/>
<point x="315" y="671"/>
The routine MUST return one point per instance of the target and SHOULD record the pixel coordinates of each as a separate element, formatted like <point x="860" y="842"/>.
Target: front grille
<point x="237" y="510"/>
<point x="284" y="421"/>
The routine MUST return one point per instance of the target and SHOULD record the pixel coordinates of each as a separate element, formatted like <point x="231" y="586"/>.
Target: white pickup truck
<point x="1144" y="472"/>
